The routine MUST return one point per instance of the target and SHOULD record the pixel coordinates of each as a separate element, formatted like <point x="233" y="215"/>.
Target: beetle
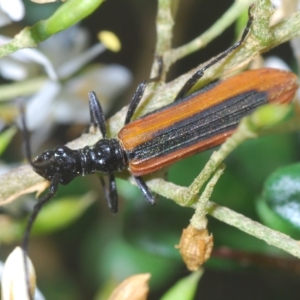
<point x="191" y="124"/>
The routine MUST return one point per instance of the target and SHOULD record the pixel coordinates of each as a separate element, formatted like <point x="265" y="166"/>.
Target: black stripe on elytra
<point x="215" y="120"/>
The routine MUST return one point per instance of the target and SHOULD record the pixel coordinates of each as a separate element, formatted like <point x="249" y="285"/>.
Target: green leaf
<point x="68" y="14"/>
<point x="185" y="288"/>
<point x="61" y="213"/>
<point x="120" y="260"/>
<point x="282" y="194"/>
<point x="5" y="138"/>
<point x="11" y="230"/>
<point x="273" y="220"/>
<point x="269" y="115"/>
<point x="257" y="158"/>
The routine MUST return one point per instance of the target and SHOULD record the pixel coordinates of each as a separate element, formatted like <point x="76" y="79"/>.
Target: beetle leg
<point x="96" y="113"/>
<point x="110" y="193"/>
<point x="196" y="76"/>
<point x="140" y="92"/>
<point x="144" y="189"/>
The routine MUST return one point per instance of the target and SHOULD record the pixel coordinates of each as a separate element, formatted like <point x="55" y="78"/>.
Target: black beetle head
<point x="60" y="161"/>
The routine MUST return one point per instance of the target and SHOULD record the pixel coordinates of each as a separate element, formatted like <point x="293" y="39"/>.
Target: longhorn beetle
<point x="191" y="124"/>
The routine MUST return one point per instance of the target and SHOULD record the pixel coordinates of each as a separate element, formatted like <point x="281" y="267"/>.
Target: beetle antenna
<point x="36" y="209"/>
<point x="25" y="135"/>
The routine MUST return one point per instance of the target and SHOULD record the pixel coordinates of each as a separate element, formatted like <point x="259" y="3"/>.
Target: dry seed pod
<point x="195" y="247"/>
<point x="132" y="288"/>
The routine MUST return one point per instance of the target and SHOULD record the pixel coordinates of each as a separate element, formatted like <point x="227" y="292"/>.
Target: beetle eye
<point x="46" y="155"/>
<point x="59" y="150"/>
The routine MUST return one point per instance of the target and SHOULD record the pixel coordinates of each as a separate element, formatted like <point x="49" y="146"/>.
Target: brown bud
<point x="132" y="288"/>
<point x="195" y="247"/>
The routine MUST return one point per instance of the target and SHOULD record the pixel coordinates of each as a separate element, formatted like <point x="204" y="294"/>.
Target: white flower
<point x="283" y="8"/>
<point x="13" y="281"/>
<point x="61" y="57"/>
<point x="276" y="63"/>
<point x="11" y="10"/>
